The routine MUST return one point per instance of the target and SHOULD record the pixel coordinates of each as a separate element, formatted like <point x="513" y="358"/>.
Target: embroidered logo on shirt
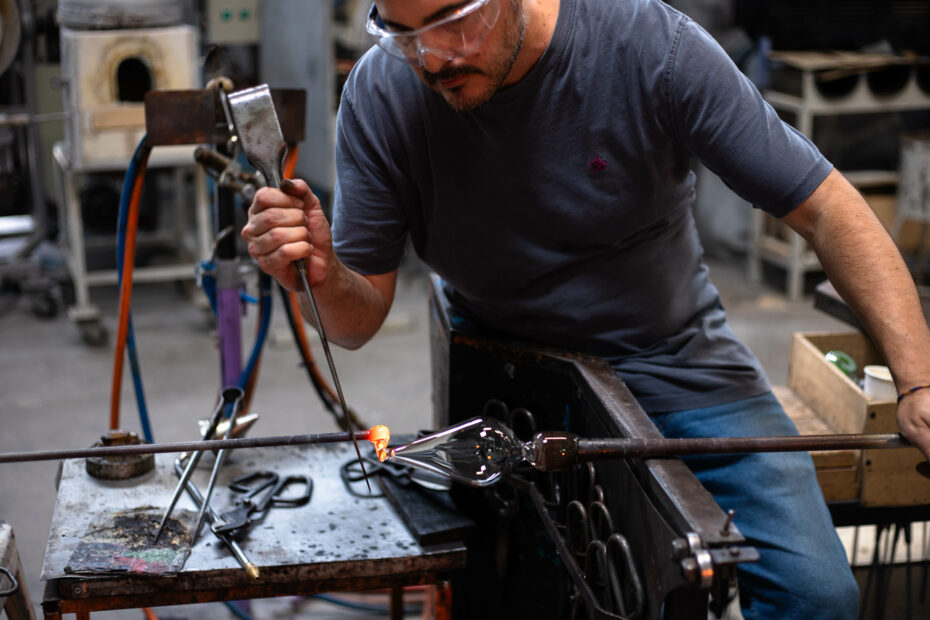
<point x="597" y="164"/>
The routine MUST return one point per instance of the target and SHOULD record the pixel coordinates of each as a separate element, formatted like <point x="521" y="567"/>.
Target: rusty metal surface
<point x="119" y="467"/>
<point x="176" y="117"/>
<point x="184" y="117"/>
<point x="291" y="106"/>
<point x="336" y="541"/>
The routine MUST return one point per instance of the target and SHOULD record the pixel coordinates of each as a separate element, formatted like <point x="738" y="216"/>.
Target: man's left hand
<point x="914" y="419"/>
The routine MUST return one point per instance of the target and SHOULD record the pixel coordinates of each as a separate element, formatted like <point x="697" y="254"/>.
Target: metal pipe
<point x="660" y="447"/>
<point x="553" y="451"/>
<point x="184" y="446"/>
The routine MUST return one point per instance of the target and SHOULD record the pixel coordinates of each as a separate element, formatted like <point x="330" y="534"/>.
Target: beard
<point x="493" y="74"/>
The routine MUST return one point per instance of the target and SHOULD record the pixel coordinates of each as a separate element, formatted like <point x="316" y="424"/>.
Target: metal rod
<point x="229" y="397"/>
<point x="217" y="464"/>
<point x="253" y="114"/>
<point x="302" y="271"/>
<point x="184" y="446"/>
<point x="659" y="447"/>
<point x="227" y="538"/>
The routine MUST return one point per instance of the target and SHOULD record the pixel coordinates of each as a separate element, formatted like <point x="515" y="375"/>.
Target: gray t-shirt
<point x="560" y="211"/>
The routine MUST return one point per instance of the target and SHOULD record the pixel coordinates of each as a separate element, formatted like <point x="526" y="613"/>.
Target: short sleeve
<point x="721" y="118"/>
<point x="369" y="227"/>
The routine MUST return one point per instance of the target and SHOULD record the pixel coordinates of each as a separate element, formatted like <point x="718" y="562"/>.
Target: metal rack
<point x="75" y="244"/>
<point x="801" y="94"/>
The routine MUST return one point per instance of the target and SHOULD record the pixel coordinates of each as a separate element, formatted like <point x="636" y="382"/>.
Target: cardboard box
<point x="887" y="477"/>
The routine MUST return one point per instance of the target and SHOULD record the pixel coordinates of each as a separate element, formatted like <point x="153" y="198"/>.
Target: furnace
<point x="111" y="55"/>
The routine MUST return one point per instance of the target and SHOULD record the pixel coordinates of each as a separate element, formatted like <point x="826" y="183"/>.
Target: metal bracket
<point x="15" y="584"/>
<point x="698" y="565"/>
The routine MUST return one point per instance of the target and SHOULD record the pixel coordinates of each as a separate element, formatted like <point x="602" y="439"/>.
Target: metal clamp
<point x="697" y="564"/>
<point x="14" y="588"/>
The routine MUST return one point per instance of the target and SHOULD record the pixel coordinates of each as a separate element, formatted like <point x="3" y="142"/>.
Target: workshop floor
<point x="56" y="390"/>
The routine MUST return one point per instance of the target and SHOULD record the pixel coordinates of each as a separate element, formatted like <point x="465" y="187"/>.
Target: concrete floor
<point x="56" y="389"/>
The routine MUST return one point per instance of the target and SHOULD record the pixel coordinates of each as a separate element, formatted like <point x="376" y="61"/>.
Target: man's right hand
<point x="289" y="225"/>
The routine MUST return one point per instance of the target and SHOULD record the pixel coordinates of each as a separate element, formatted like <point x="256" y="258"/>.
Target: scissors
<point x="261" y="491"/>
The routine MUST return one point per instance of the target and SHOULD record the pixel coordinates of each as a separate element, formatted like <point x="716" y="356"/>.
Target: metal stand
<point x="26" y="232"/>
<point x="799" y="96"/>
<point x="75" y="245"/>
<point x="336" y="542"/>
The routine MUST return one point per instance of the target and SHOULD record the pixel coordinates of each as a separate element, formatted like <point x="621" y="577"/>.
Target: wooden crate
<point x="887" y="477"/>
<point x="837" y="470"/>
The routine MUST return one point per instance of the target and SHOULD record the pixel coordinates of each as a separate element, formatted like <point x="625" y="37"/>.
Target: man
<point x="536" y="152"/>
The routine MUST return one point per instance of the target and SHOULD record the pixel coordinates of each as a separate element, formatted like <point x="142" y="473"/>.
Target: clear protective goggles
<point x="456" y="35"/>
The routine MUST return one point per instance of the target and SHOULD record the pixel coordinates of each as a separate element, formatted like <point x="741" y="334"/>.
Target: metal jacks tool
<point x="256" y="122"/>
<point x="218" y="463"/>
<point x="230" y="398"/>
<point x="215" y="519"/>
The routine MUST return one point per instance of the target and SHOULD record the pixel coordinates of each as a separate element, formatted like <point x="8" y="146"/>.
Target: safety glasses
<point x="453" y="36"/>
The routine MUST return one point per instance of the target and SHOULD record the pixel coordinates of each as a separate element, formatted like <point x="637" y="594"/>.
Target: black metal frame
<point x="655" y="503"/>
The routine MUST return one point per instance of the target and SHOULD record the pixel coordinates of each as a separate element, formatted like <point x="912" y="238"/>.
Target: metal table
<point x="336" y="542"/>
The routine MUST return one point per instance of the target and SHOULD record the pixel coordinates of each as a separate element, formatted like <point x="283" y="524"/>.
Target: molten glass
<point x="380" y="435"/>
<point x="478" y="452"/>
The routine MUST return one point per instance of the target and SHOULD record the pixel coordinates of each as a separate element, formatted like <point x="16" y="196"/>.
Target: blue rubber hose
<point x="264" y="306"/>
<point x="132" y="172"/>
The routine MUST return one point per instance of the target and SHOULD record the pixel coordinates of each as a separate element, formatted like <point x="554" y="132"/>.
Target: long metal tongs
<point x="262" y="141"/>
<point x="217" y="464"/>
<point x="230" y="399"/>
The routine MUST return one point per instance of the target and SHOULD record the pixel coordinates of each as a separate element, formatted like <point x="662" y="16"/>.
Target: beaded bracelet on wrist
<point x="911" y="391"/>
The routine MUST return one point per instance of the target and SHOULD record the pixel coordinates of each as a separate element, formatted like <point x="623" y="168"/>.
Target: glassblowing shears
<point x="261" y="491"/>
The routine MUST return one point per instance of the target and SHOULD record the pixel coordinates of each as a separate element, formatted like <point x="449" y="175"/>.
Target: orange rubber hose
<point x="125" y="293"/>
<point x="290" y="161"/>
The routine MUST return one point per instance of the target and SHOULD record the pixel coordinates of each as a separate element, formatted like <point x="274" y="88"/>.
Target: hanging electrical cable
<point x="127" y="226"/>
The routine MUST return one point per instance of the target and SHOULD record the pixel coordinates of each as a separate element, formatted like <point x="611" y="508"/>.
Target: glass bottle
<point x="477" y="452"/>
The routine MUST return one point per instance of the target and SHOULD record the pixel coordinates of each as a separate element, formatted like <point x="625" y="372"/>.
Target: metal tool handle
<point x="14" y="585"/>
<point x="277" y="497"/>
<point x="256" y="122"/>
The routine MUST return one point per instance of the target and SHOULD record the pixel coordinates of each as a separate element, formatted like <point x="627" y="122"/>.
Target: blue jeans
<point x="803" y="572"/>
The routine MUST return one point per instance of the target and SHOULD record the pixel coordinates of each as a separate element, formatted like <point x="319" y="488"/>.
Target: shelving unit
<point x="812" y="84"/>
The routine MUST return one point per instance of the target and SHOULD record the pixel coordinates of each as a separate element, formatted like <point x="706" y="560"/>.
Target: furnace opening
<point x="133" y="80"/>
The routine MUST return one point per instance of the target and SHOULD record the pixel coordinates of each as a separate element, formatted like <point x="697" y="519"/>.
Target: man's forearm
<point x="866" y="268"/>
<point x="352" y="307"/>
